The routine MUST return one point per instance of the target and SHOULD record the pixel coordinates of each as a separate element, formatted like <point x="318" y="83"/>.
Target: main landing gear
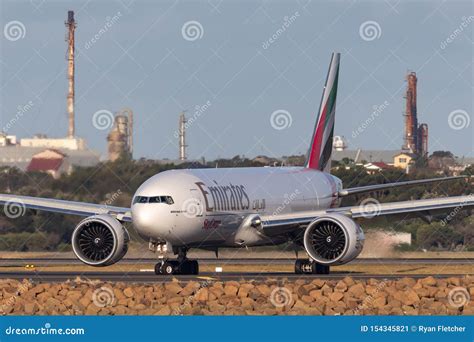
<point x="306" y="266"/>
<point x="181" y="266"/>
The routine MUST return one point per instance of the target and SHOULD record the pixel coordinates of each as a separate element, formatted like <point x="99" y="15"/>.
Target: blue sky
<point x="144" y="61"/>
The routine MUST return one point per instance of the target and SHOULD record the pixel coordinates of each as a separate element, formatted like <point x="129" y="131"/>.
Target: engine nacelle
<point x="333" y="239"/>
<point x="100" y="240"/>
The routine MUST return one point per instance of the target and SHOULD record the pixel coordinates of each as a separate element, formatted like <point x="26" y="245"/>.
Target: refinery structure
<point x="416" y="135"/>
<point x="40" y="149"/>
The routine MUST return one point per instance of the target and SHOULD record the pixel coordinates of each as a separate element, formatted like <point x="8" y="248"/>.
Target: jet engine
<point x="100" y="240"/>
<point x="333" y="239"/>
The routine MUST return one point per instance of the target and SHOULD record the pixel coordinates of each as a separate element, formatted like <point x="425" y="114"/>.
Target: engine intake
<point x="333" y="239"/>
<point x="100" y="240"/>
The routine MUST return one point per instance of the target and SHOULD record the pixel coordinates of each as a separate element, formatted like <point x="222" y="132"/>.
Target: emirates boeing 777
<point x="217" y="208"/>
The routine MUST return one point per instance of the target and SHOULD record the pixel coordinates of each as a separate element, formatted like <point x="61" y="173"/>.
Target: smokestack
<point x="71" y="27"/>
<point x="411" y="120"/>
<point x="182" y="137"/>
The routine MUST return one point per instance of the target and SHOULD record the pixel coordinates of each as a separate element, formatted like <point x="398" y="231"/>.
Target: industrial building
<point x="20" y="153"/>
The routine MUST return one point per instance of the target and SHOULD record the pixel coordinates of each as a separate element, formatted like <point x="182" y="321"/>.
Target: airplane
<point x="179" y="210"/>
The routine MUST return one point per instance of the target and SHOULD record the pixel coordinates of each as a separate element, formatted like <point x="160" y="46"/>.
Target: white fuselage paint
<point x="210" y="205"/>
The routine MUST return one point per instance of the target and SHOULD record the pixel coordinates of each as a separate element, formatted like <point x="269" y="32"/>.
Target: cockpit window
<point x="153" y="199"/>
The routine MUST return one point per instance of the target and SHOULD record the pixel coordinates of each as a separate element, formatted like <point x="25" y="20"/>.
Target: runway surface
<point x="17" y="262"/>
<point x="150" y="277"/>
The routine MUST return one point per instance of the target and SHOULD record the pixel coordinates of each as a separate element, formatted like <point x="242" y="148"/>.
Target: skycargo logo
<point x="224" y="197"/>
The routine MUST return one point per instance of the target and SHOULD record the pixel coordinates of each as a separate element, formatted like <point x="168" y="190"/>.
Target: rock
<point x="202" y="295"/>
<point x="128" y="292"/>
<point x="164" y="311"/>
<point x="231" y="290"/>
<point x="348" y="281"/>
<point x="173" y="287"/>
<point x="357" y="290"/>
<point x="341" y="286"/>
<point x="336" y="296"/>
<point x="410" y="297"/>
<point x="429" y="281"/>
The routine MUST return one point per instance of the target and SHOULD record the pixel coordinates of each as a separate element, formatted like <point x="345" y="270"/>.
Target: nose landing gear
<point x="181" y="266"/>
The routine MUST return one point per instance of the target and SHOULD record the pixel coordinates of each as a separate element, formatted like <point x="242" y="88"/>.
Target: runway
<point x="150" y="277"/>
<point x="141" y="270"/>
<point x="18" y="262"/>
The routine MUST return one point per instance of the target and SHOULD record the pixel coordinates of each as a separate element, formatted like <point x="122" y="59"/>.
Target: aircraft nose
<point x="144" y="219"/>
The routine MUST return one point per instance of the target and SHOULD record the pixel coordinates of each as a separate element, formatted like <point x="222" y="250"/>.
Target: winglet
<point x="319" y="154"/>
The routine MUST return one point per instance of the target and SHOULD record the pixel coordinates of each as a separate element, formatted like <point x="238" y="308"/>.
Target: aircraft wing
<point x="14" y="204"/>
<point x="377" y="187"/>
<point x="425" y="208"/>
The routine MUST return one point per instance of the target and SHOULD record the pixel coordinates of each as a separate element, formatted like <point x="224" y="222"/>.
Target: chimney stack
<point x="71" y="27"/>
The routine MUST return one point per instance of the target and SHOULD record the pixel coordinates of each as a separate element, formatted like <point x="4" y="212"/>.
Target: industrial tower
<point x="71" y="27"/>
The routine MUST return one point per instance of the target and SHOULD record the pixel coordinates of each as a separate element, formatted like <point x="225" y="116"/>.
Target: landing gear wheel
<point x="306" y="266"/>
<point x="194" y="267"/>
<point x="168" y="268"/>
<point x="299" y="266"/>
<point x="320" y="269"/>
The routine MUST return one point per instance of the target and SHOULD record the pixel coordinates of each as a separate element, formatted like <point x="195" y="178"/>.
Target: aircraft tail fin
<point x="319" y="154"/>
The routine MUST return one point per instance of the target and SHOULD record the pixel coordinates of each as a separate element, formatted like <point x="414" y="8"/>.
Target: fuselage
<point x="206" y="207"/>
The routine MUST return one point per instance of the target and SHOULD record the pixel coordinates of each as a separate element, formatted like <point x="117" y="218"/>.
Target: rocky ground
<point x="406" y="296"/>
